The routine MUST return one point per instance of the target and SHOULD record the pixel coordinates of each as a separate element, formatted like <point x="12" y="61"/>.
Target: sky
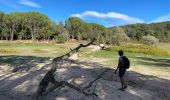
<point x="105" y="12"/>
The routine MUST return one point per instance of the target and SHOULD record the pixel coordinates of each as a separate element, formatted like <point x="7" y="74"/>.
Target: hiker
<point x="123" y="64"/>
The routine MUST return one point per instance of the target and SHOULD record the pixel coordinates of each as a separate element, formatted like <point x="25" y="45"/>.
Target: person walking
<point x="123" y="64"/>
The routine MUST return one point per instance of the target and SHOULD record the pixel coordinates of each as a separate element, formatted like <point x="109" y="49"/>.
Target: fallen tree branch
<point x="65" y="83"/>
<point x="49" y="76"/>
<point x="81" y="90"/>
<point x="102" y="47"/>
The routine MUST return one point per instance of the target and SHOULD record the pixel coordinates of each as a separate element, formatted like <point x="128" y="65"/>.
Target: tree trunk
<point x="72" y="36"/>
<point x="12" y="32"/>
<point x="49" y="77"/>
<point x="68" y="37"/>
<point x="32" y="33"/>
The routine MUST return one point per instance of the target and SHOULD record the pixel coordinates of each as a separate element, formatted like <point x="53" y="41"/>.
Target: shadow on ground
<point x="22" y="62"/>
<point x="23" y="85"/>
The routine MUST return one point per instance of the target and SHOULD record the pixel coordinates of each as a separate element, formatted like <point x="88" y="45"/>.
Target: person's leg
<point x="121" y="73"/>
<point x="121" y="81"/>
<point x="124" y="83"/>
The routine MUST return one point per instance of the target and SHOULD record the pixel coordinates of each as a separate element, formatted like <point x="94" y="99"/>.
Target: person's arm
<point x="118" y="65"/>
<point x="116" y="69"/>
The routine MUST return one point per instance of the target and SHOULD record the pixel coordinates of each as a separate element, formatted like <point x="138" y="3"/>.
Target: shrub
<point x="149" y="40"/>
<point x="119" y="37"/>
<point x="61" y="38"/>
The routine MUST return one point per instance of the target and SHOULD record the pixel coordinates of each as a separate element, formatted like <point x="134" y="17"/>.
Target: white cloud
<point x="111" y="16"/>
<point x="162" y="19"/>
<point x="29" y="3"/>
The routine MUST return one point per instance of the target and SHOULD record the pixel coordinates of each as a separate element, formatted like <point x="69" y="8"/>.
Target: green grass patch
<point x="110" y="54"/>
<point x="38" y="50"/>
<point x="143" y="49"/>
<point x="34" y="49"/>
<point x="104" y="54"/>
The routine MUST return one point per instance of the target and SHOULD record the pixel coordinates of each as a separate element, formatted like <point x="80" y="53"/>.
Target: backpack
<point x="126" y="62"/>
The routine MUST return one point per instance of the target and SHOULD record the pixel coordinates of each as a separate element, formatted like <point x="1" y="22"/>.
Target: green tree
<point x="36" y="23"/>
<point x="1" y="24"/>
<point x="12" y="22"/>
<point x="62" y="30"/>
<point x="61" y="38"/>
<point x="75" y="26"/>
<point x="119" y="36"/>
<point x="98" y="31"/>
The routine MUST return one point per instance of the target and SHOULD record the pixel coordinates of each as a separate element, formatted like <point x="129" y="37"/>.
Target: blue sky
<point x="105" y="12"/>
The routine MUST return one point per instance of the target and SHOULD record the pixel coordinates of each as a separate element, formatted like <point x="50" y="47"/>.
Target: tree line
<point x="26" y="25"/>
<point x="37" y="26"/>
<point x="159" y="30"/>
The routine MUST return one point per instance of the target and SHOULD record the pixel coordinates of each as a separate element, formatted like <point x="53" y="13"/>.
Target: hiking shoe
<point x="125" y="87"/>
<point x="122" y="89"/>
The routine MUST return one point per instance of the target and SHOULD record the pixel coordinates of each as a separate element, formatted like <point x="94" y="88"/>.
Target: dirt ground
<point x="22" y="85"/>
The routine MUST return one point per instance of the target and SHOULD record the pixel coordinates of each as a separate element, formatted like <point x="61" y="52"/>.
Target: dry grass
<point x="165" y="46"/>
<point x="154" y="65"/>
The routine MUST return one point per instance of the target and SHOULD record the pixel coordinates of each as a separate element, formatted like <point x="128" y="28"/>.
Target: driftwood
<point x="102" y="47"/>
<point x="49" y="77"/>
<point x="81" y="90"/>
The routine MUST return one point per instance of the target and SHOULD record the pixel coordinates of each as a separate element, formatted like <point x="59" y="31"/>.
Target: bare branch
<point x="81" y="90"/>
<point x="49" y="76"/>
<point x="101" y="47"/>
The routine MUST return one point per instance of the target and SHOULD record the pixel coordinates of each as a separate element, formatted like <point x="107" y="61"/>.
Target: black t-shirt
<point x="121" y="63"/>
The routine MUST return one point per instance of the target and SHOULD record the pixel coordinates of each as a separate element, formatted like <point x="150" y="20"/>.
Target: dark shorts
<point x="122" y="72"/>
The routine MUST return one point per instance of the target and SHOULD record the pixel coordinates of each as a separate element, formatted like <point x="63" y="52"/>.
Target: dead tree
<point x="49" y="76"/>
<point x="101" y="47"/>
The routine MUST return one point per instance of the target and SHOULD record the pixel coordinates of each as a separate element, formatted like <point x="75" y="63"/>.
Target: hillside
<point x="160" y="30"/>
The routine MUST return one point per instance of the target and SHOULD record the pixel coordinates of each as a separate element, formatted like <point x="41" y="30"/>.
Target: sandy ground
<point x="23" y="84"/>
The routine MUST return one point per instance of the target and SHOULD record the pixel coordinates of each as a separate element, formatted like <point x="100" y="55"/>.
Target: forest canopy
<point x="37" y="26"/>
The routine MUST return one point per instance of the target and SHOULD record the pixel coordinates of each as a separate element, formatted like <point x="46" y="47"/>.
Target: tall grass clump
<point x="38" y="50"/>
<point x="141" y="48"/>
<point x="7" y="51"/>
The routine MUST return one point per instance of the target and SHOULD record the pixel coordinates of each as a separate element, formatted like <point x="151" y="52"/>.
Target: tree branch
<point x="81" y="90"/>
<point x="49" y="76"/>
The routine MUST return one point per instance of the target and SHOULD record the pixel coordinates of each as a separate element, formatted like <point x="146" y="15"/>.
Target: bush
<point x="61" y="38"/>
<point x="119" y="37"/>
<point x="149" y="40"/>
